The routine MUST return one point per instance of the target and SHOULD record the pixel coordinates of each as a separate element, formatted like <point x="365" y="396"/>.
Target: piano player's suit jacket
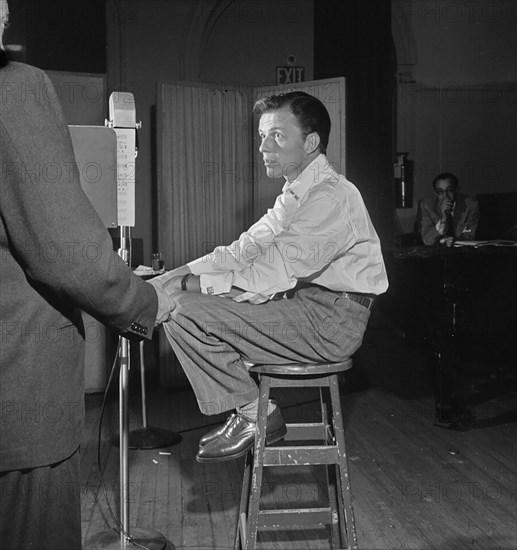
<point x="465" y="219"/>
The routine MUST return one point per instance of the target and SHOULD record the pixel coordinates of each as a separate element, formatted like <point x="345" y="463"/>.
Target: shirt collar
<point x="313" y="174"/>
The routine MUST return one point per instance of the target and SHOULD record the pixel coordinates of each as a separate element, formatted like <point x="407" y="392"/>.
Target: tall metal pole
<point x="124" y="439"/>
<point x="142" y="386"/>
<point x="122" y="112"/>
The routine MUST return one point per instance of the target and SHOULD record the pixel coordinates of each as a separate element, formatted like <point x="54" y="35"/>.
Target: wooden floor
<point x="415" y="485"/>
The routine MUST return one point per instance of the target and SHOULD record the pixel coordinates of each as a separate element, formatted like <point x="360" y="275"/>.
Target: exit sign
<point x="290" y="75"/>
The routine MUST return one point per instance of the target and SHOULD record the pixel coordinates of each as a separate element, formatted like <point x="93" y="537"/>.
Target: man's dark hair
<point x="446" y="176"/>
<point x="311" y="114"/>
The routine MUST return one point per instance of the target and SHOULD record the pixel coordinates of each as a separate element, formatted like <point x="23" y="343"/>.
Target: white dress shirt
<point x="318" y="231"/>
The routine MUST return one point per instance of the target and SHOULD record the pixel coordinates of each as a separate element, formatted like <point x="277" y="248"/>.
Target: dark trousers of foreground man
<point x="32" y="501"/>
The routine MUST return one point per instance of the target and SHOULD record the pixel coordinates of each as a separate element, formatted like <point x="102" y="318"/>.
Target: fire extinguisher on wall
<point x="403" y="174"/>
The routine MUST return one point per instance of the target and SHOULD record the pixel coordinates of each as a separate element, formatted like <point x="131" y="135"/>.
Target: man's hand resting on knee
<point x="182" y="279"/>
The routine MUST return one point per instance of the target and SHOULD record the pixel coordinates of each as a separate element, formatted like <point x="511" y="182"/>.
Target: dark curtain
<point x="352" y="38"/>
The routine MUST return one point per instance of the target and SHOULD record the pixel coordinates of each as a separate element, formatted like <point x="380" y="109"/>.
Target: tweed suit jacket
<point x="56" y="258"/>
<point x="465" y="219"/>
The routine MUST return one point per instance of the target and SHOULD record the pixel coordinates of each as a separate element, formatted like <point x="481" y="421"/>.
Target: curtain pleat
<point x="205" y="187"/>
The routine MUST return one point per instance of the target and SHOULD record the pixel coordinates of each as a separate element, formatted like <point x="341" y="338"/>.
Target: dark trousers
<point x="40" y="508"/>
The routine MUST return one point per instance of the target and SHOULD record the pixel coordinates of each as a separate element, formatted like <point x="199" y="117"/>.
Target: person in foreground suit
<point x="55" y="256"/>
<point x="448" y="216"/>
<point x="296" y="287"/>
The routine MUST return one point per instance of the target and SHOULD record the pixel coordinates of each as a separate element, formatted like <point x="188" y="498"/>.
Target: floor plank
<point x="415" y="485"/>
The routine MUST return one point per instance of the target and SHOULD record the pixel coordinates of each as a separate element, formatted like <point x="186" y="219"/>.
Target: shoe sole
<point x="273" y="437"/>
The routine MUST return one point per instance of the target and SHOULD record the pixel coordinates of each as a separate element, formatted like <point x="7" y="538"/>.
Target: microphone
<point x="123" y="120"/>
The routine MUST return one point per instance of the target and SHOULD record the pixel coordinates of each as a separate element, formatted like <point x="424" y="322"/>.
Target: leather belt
<point x="365" y="300"/>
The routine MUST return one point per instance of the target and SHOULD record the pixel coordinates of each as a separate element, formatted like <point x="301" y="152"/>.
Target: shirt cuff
<point x="216" y="283"/>
<point x="440" y="227"/>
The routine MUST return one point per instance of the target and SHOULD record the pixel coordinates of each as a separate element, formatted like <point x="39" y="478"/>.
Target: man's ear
<point x="312" y="142"/>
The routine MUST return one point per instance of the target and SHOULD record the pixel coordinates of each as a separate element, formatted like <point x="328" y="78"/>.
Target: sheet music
<point x="126" y="167"/>
<point x="123" y="121"/>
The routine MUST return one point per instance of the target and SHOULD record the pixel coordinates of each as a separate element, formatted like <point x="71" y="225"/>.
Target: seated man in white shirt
<point x="296" y="287"/>
<point x="448" y="216"/>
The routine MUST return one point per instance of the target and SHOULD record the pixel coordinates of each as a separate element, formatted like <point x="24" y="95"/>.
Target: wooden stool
<point x="332" y="453"/>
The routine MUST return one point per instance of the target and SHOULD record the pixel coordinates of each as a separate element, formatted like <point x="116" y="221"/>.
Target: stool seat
<point x="302" y="369"/>
<point x="319" y="444"/>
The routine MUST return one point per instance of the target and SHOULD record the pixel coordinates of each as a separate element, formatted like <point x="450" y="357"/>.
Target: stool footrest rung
<point x="300" y="456"/>
<point x="306" y="432"/>
<point x="300" y="516"/>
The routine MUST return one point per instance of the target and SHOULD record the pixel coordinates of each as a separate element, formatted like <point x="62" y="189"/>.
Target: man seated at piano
<point x="448" y="216"/>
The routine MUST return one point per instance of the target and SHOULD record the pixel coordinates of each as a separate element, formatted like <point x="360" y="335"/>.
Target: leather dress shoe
<point x="239" y="438"/>
<point x="214" y="434"/>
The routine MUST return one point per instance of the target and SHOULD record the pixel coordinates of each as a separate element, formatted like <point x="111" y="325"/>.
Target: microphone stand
<point x="146" y="437"/>
<point x="149" y="437"/>
<point x="147" y="539"/>
<point x="123" y="118"/>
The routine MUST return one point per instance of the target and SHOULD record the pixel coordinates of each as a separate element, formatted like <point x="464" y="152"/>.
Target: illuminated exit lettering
<point x="289" y="75"/>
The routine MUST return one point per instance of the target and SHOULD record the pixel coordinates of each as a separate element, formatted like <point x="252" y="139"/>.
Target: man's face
<point x="283" y="146"/>
<point x="445" y="190"/>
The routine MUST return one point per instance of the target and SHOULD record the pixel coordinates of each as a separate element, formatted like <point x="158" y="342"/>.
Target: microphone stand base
<point x="150" y="438"/>
<point x="111" y="540"/>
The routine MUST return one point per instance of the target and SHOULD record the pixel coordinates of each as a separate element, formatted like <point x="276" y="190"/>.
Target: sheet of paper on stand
<point x="476" y="244"/>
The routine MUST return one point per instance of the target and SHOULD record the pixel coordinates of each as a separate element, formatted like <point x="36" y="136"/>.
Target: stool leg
<point x="331" y="474"/>
<point x="348" y="531"/>
<point x="240" y="535"/>
<point x="258" y="463"/>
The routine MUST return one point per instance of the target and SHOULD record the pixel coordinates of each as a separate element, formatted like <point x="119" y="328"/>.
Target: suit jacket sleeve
<point x="53" y="230"/>
<point x="426" y="223"/>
